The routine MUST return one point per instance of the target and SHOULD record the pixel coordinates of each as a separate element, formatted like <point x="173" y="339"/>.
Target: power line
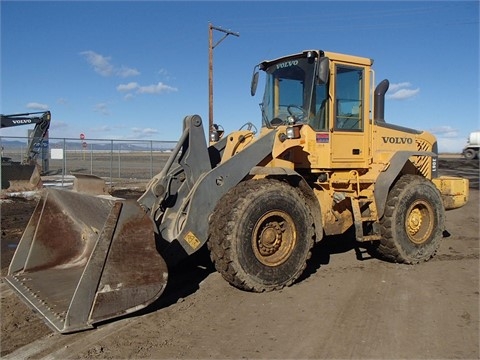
<point x="300" y="23"/>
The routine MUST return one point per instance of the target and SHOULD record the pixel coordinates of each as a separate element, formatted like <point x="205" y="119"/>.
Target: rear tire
<point x="470" y="154"/>
<point x="413" y="222"/>
<point x="261" y="234"/>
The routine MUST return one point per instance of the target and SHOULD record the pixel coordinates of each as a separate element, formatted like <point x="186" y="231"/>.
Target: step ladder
<point x="359" y="219"/>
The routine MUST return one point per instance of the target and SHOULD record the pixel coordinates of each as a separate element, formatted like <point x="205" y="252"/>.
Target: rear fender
<point x="386" y="179"/>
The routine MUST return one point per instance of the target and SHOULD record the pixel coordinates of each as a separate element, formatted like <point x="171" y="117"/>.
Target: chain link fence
<point x="116" y="161"/>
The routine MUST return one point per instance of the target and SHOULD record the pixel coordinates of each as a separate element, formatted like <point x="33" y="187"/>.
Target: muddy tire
<point x="261" y="234"/>
<point x="413" y="222"/>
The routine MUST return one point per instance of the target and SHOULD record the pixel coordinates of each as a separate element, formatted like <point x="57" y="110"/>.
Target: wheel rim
<point x="419" y="222"/>
<point x="274" y="238"/>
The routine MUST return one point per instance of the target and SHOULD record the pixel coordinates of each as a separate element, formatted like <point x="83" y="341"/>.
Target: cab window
<point x="349" y="98"/>
<point x="319" y="121"/>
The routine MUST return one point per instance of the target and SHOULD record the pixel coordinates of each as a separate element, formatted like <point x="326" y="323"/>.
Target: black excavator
<point x="25" y="175"/>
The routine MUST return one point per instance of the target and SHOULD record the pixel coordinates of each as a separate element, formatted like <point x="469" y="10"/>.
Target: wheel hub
<point x="274" y="238"/>
<point x="270" y="239"/>
<point x="414" y="222"/>
<point x="419" y="223"/>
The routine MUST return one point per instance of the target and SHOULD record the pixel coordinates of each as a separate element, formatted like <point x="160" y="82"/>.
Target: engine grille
<point x="423" y="163"/>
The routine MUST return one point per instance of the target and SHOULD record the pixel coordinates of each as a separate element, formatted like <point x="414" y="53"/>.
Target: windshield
<point x="291" y="95"/>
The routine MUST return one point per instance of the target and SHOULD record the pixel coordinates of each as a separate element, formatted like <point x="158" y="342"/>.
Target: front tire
<point x="413" y="222"/>
<point x="261" y="234"/>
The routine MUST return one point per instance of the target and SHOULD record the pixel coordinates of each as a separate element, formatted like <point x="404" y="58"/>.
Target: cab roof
<point x="331" y="55"/>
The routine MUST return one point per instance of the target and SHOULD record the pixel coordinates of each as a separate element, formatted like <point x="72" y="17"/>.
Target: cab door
<point x="348" y="134"/>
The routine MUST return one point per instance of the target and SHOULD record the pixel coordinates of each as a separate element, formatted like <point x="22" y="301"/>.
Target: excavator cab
<point x="25" y="175"/>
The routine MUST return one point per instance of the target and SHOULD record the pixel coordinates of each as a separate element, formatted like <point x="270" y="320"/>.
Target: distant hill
<point x="96" y="145"/>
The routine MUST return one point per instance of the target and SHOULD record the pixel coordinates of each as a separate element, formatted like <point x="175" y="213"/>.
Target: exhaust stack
<point x="379" y="101"/>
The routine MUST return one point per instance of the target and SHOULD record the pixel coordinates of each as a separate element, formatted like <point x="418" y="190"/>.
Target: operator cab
<point x="296" y="90"/>
<point x="323" y="97"/>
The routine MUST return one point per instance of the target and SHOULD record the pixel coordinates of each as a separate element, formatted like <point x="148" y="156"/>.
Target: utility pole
<point x="212" y="46"/>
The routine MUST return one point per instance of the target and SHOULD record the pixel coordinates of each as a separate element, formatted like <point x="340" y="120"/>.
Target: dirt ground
<point x="346" y="306"/>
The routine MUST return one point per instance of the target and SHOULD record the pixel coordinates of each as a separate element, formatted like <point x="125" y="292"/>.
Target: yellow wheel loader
<point x="324" y="160"/>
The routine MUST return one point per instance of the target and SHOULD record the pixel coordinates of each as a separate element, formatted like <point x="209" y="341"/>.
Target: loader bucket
<point x="20" y="177"/>
<point x="84" y="259"/>
<point x="90" y="184"/>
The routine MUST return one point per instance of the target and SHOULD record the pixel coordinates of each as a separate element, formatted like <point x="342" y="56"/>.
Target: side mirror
<point x="253" y="85"/>
<point x="323" y="70"/>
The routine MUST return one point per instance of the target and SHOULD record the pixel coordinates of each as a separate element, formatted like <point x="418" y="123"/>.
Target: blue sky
<point x="133" y="70"/>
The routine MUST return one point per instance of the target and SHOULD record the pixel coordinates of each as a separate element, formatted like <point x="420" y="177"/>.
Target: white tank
<point x="474" y="138"/>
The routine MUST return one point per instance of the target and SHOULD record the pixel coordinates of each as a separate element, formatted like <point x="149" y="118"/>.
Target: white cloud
<point x="101" y="64"/>
<point x="396" y="87"/>
<point x="102" y="108"/>
<point x="102" y="128"/>
<point x="449" y="139"/>
<point x="144" y="132"/>
<point x="401" y="91"/>
<point x="58" y="124"/>
<point x="445" y="131"/>
<point x="165" y="74"/>
<point x="127" y="87"/>
<point x="158" y="88"/>
<point x="126" y="72"/>
<point x="37" y="106"/>
<point x="149" y="131"/>
<point x="451" y="145"/>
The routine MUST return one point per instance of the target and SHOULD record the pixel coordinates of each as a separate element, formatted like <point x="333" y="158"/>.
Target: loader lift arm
<point x="193" y="179"/>
<point x="42" y="124"/>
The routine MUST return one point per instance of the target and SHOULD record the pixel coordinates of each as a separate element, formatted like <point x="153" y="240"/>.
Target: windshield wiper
<point x="264" y="116"/>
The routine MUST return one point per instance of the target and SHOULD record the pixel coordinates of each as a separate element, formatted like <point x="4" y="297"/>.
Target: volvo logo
<point x="23" y="121"/>
<point x="287" y="64"/>
<point x="396" y="140"/>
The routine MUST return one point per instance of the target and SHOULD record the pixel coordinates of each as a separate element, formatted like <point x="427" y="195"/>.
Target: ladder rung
<point x="370" y="238"/>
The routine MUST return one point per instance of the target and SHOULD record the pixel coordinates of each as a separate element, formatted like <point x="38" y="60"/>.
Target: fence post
<point x="119" y="160"/>
<point x="111" y="163"/>
<point x="91" y="159"/>
<point x="64" y="167"/>
<point x="151" y="159"/>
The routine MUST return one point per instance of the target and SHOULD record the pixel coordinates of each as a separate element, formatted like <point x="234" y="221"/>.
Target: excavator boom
<point x="25" y="175"/>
